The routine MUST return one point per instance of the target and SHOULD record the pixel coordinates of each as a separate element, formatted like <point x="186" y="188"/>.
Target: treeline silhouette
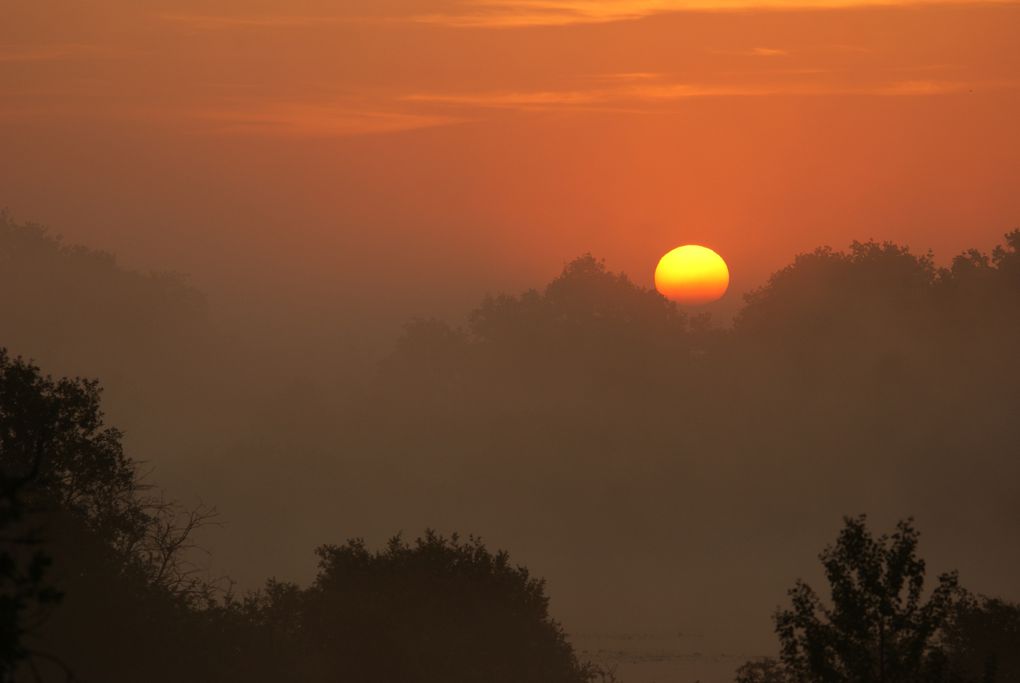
<point x="821" y="331"/>
<point x="589" y="412"/>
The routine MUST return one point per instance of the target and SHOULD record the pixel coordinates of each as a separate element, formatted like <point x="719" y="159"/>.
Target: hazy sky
<point x="422" y="152"/>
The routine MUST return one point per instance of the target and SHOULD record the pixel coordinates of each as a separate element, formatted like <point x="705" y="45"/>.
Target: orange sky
<point x="420" y="153"/>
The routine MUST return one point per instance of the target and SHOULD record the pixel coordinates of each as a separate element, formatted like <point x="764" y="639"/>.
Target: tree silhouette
<point x="877" y="625"/>
<point x="75" y="522"/>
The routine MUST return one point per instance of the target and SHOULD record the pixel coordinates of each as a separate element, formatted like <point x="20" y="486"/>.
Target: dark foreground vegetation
<point x="97" y="585"/>
<point x="591" y="413"/>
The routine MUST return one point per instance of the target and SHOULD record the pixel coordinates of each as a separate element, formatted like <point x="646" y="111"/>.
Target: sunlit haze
<point x="541" y="341"/>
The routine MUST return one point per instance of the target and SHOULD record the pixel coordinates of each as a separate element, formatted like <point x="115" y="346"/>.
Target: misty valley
<point x="582" y="481"/>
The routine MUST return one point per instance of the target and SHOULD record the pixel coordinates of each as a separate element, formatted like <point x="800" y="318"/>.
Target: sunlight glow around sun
<point x="692" y="275"/>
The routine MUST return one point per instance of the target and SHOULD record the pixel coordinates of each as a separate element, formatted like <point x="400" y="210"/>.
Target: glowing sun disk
<point x="692" y="275"/>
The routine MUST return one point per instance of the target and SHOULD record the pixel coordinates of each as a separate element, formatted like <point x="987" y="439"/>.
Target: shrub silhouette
<point x="439" y="609"/>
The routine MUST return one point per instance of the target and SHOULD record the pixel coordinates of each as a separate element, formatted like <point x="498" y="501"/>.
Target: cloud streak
<point x="211" y="22"/>
<point x="654" y="93"/>
<point x="524" y="13"/>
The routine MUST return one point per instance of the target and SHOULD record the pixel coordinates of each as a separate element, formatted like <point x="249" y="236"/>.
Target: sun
<point x="692" y="275"/>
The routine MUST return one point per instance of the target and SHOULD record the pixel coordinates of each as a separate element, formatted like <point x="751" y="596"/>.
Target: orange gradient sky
<point x="418" y="154"/>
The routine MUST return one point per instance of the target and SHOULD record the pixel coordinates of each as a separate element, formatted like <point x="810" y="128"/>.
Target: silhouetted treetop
<point x="829" y="292"/>
<point x="878" y="624"/>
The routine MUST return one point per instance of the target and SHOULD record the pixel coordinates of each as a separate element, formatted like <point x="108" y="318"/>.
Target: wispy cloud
<point x="316" y="120"/>
<point x="213" y="21"/>
<point x="662" y="92"/>
<point x="629" y="92"/>
<point x="522" y="13"/>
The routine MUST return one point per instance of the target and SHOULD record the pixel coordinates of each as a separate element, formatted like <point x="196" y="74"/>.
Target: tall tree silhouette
<point x="877" y="625"/>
